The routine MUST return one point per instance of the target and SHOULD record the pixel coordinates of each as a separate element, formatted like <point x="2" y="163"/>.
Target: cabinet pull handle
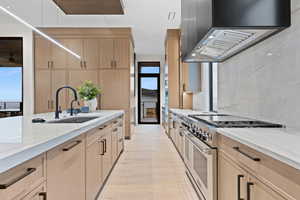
<point x="239" y="177"/>
<point x="105" y="146"/>
<point x="52" y="104"/>
<point x="112" y="63"/>
<point x="48" y="64"/>
<point x="115" y="130"/>
<point x="115" y="122"/>
<point x="245" y="154"/>
<point x="72" y="146"/>
<point x="103" y="150"/>
<point x="48" y="104"/>
<point x="44" y="195"/>
<point x="15" y="180"/>
<point x="249" y="185"/>
<point x="85" y="65"/>
<point x="102" y="127"/>
<point x="52" y="64"/>
<point x="121" y="140"/>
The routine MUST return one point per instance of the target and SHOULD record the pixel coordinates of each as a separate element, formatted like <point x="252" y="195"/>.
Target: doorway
<point x="149" y="93"/>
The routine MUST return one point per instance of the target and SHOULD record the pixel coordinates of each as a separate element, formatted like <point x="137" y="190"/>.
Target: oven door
<point x="203" y="167"/>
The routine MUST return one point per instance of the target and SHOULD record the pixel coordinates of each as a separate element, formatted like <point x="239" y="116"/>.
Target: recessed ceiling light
<point x="270" y="54"/>
<point x="193" y="54"/>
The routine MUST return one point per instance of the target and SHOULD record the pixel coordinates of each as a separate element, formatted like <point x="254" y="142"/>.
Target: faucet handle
<point x="59" y="110"/>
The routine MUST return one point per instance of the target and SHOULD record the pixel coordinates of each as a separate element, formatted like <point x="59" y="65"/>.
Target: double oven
<point x="201" y="164"/>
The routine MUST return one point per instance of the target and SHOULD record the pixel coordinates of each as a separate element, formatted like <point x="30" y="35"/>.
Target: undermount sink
<point x="73" y="120"/>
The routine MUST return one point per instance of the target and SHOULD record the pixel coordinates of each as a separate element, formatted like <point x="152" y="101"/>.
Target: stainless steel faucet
<point x="57" y="111"/>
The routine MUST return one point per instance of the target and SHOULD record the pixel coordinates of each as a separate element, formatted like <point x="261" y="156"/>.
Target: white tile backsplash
<point x="263" y="82"/>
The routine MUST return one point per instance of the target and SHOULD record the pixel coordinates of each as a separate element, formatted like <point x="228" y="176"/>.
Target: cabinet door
<point x="76" y="45"/>
<point x="114" y="144"/>
<point x="66" y="171"/>
<point x="121" y="53"/>
<point x="107" y="157"/>
<point x="59" y="79"/>
<point x="115" y="89"/>
<point x="259" y="191"/>
<point x="42" y="91"/>
<point x="91" y="53"/>
<point x="185" y="77"/>
<point x="43" y="53"/>
<point x="38" y="194"/>
<point x="94" y="153"/>
<point x="59" y="55"/>
<point x="106" y="51"/>
<point x="78" y="77"/>
<point x="232" y="179"/>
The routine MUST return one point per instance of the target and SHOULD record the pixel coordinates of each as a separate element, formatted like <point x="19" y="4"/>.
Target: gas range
<point x="203" y="126"/>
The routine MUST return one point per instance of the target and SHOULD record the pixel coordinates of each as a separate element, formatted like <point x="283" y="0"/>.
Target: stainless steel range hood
<point x="215" y="30"/>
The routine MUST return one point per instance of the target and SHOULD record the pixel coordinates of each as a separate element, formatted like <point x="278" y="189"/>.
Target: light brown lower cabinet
<point x="107" y="156"/>
<point x="236" y="183"/>
<point x="114" y="144"/>
<point x="66" y="171"/>
<point x="18" y="182"/>
<point x="94" y="152"/>
<point x="38" y="194"/>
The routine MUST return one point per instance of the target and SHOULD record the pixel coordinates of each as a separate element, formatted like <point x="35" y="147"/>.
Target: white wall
<point x="201" y="99"/>
<point x="11" y="29"/>
<point x="263" y="82"/>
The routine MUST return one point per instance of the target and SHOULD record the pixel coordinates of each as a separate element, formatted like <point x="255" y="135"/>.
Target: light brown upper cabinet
<point x="76" y="45"/>
<point x="43" y="47"/>
<point x="88" y="49"/>
<point x="59" y="56"/>
<point x="121" y="53"/>
<point x="106" y="48"/>
<point x="115" y="88"/>
<point x="114" y="53"/>
<point x="91" y="53"/>
<point x="42" y="91"/>
<point x="50" y="55"/>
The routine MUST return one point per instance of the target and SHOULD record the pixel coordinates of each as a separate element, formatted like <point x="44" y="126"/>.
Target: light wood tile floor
<point x="149" y="169"/>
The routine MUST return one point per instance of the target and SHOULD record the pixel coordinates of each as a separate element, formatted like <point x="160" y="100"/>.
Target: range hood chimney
<point x="215" y="30"/>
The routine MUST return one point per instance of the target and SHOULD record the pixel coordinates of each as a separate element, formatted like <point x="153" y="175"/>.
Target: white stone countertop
<point x="281" y="144"/>
<point x="186" y="112"/>
<point x="22" y="140"/>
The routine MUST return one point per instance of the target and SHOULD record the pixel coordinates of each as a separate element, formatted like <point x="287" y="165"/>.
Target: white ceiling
<point x="148" y="19"/>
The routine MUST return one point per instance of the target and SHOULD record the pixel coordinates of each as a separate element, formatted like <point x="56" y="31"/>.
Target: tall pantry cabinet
<point x="106" y="60"/>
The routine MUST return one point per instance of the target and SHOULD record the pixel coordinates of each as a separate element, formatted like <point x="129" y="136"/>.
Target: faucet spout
<point x="57" y="99"/>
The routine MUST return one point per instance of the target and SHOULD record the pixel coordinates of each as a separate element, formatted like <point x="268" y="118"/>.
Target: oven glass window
<point x="200" y="166"/>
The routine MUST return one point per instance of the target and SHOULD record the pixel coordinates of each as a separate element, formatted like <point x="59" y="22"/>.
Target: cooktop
<point x="230" y="121"/>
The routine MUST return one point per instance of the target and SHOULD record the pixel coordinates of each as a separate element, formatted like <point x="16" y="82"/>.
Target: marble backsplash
<point x="263" y="82"/>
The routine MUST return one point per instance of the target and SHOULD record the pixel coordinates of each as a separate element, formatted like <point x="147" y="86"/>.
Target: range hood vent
<point x="215" y="30"/>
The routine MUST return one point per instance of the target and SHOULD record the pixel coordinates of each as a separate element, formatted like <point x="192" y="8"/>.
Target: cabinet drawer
<point x="19" y="181"/>
<point x="96" y="134"/>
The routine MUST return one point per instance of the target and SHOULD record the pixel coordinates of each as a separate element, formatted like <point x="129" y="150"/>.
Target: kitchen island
<point x="58" y="160"/>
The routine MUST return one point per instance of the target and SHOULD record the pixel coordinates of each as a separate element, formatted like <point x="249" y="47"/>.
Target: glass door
<point x="149" y="93"/>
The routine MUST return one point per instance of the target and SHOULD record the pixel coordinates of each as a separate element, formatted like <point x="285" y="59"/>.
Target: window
<point x="11" y="76"/>
<point x="150" y="70"/>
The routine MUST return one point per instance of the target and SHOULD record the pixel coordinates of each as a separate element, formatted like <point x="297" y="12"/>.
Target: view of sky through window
<point x="10" y="84"/>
